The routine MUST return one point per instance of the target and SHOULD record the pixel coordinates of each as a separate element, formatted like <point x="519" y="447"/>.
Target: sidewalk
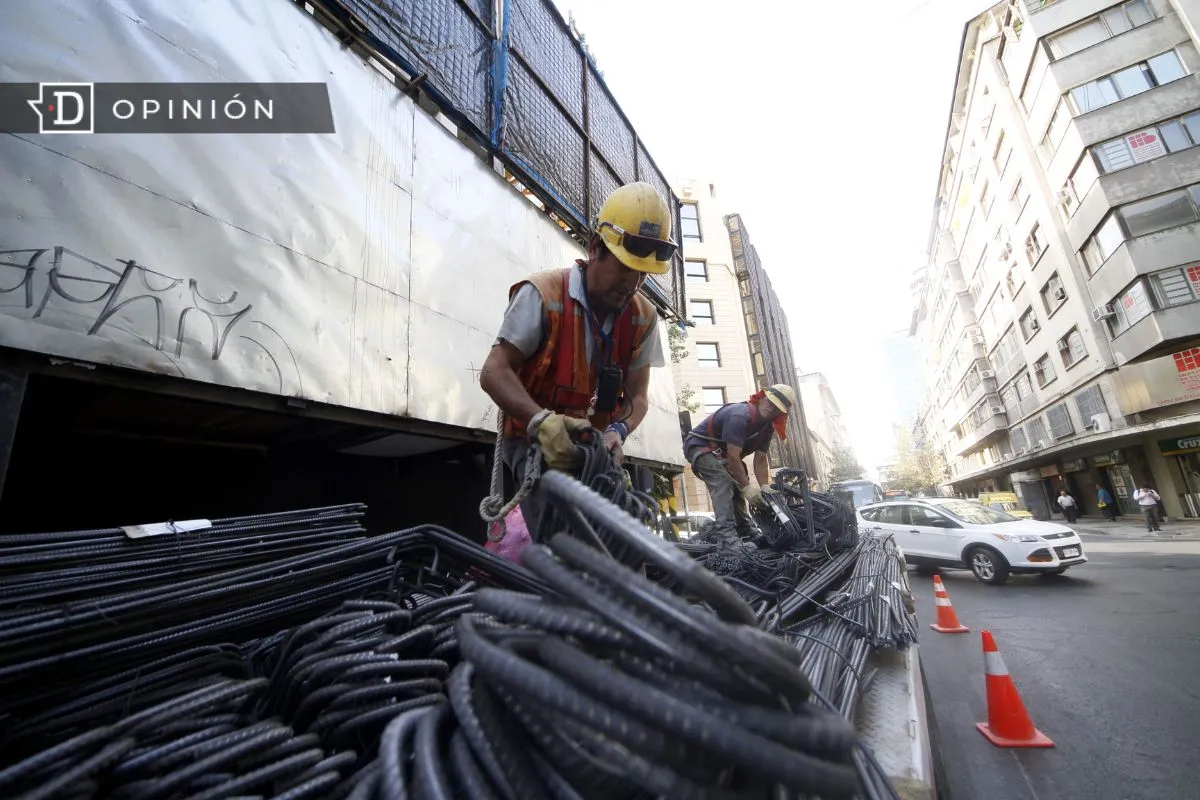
<point x="1128" y="527"/>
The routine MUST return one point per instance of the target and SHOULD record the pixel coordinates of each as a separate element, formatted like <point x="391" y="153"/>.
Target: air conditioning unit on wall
<point x="1101" y="423"/>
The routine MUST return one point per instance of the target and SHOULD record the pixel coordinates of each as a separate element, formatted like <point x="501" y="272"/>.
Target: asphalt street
<point x="1106" y="659"/>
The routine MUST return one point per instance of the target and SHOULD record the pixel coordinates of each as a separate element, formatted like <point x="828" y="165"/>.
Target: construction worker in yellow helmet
<point x="576" y="346"/>
<point x="717" y="446"/>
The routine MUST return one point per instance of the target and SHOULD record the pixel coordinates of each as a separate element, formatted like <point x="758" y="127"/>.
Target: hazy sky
<point x="822" y="124"/>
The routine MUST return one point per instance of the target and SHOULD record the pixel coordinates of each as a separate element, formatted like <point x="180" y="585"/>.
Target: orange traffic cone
<point x="947" y="620"/>
<point x="1008" y="723"/>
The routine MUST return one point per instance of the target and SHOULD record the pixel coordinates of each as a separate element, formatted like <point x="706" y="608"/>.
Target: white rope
<point x="492" y="508"/>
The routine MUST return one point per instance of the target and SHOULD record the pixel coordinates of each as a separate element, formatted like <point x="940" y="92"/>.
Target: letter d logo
<point x="65" y="107"/>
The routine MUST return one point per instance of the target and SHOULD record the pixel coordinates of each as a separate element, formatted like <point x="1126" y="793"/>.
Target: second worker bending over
<point x="717" y="446"/>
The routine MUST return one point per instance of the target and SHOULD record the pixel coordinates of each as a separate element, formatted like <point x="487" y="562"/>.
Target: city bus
<point x="857" y="493"/>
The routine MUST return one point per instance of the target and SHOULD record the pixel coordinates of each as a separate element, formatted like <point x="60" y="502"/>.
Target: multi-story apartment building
<point x="1059" y="320"/>
<point x="731" y="351"/>
<point x="717" y="369"/>
<point x="770" y="344"/>
<point x="824" y="417"/>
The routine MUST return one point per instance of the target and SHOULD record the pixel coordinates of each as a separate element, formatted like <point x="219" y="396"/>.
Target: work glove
<point x="769" y="493"/>
<point x="556" y="435"/>
<point x="753" y="494"/>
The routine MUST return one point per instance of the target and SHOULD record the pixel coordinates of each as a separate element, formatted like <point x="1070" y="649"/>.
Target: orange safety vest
<point x="558" y="376"/>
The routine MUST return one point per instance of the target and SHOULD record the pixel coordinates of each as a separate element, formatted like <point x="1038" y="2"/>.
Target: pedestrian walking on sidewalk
<point x="1104" y="501"/>
<point x="1148" y="500"/>
<point x="1069" y="508"/>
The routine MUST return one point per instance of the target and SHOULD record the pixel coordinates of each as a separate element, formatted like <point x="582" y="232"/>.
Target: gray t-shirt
<point x="524" y="325"/>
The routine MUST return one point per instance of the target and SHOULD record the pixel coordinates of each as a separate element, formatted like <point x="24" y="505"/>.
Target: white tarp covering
<point x="368" y="268"/>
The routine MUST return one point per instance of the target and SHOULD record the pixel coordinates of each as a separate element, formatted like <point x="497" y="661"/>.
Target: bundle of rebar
<point x="416" y="663"/>
<point x="59" y="567"/>
<point x="54" y="654"/>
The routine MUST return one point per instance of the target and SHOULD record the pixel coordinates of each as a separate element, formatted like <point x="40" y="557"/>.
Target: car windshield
<point x="974" y="513"/>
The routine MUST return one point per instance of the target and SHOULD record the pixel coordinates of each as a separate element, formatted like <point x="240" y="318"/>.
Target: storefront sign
<point x="1049" y="472"/>
<point x="1109" y="459"/>
<point x="1177" y="447"/>
<point x="1074" y="465"/>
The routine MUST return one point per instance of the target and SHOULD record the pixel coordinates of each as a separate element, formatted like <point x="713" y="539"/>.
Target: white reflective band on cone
<point x="993" y="664"/>
<point x="941" y="601"/>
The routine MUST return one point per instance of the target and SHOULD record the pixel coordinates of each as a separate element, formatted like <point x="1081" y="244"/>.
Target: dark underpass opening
<point x="94" y="455"/>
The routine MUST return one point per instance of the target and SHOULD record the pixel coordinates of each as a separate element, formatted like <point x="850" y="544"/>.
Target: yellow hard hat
<point x="635" y="225"/>
<point x="781" y="396"/>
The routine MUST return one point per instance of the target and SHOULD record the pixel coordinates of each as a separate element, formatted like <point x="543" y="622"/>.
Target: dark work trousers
<point x="733" y="522"/>
<point x="1071" y="513"/>
<point x="1151" y="514"/>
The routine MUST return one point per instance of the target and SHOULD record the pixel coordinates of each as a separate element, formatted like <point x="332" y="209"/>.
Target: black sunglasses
<point x="643" y="246"/>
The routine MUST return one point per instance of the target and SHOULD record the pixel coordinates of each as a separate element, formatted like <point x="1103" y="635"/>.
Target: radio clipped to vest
<point x="608" y="389"/>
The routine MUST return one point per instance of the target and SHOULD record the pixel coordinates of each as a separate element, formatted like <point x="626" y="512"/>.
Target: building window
<point x="1106" y="25"/>
<point x="1029" y="324"/>
<point x="1023" y="388"/>
<point x="1159" y="213"/>
<point x="1090" y="403"/>
<point x="1148" y="144"/>
<point x="1014" y="279"/>
<point x="1103" y="243"/>
<point x="708" y="354"/>
<point x="696" y="271"/>
<point x="1083" y="177"/>
<point x="701" y="311"/>
<point x="1018" y="197"/>
<point x="1053" y="294"/>
<point x="1141" y="77"/>
<point x="1037" y="78"/>
<point x="1071" y="349"/>
<point x="689" y="219"/>
<point x="1060" y="421"/>
<point x="1034" y="246"/>
<point x="713" y="398"/>
<point x="986" y="199"/>
<point x="1002" y="154"/>
<point x="1006" y="348"/>
<point x="1055" y="133"/>
<point x="1129" y="307"/>
<point x="1176" y="287"/>
<point x="1043" y="371"/>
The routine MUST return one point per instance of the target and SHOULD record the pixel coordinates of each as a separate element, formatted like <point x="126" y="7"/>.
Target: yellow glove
<point x="555" y="435"/>
<point x="753" y="494"/>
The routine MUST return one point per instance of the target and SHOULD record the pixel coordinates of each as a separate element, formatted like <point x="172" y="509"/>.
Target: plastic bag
<point x="516" y="537"/>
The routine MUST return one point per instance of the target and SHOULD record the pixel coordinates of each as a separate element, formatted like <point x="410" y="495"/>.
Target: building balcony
<point x="993" y="428"/>
<point x="1144" y="255"/>
<point x="955" y="409"/>
<point x="1162" y="332"/>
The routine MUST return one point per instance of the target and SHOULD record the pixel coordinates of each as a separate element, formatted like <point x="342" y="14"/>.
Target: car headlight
<point x="1017" y="537"/>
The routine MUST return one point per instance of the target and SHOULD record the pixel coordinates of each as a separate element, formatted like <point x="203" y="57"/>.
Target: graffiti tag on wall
<point x="133" y="303"/>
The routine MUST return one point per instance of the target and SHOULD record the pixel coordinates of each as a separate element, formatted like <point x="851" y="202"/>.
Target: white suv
<point x="945" y="532"/>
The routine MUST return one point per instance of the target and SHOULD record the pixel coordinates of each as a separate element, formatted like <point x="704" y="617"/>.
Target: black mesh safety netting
<point x="448" y="41"/>
<point x="523" y="85"/>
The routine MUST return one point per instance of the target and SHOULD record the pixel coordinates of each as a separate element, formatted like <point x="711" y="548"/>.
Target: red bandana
<point x="780" y="423"/>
